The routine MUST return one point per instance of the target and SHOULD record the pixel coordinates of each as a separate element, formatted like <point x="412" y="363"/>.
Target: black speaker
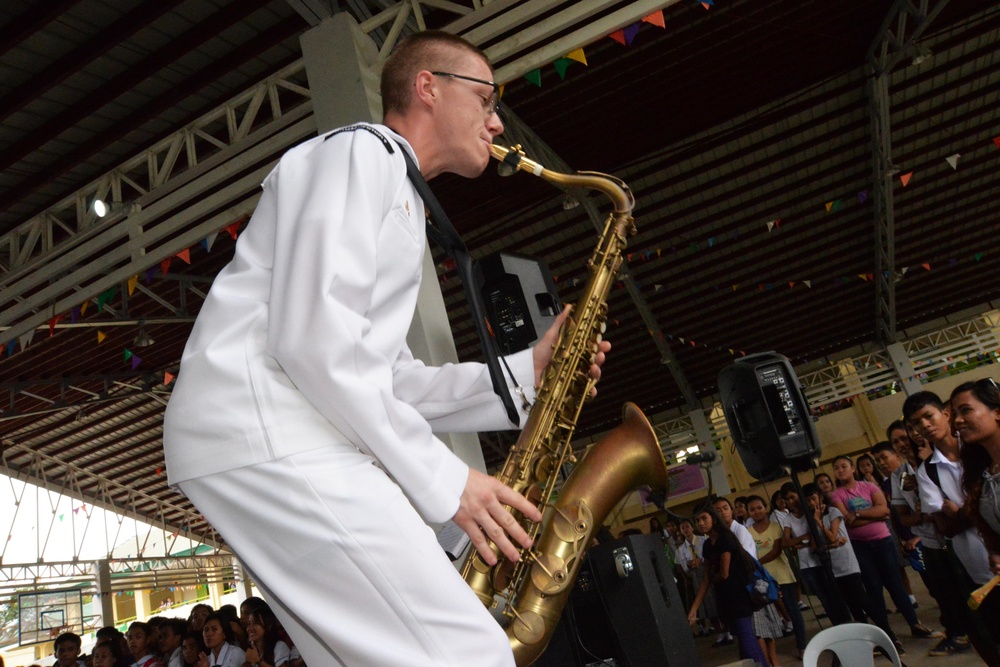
<point x="520" y="299"/>
<point x="634" y="579"/>
<point x="768" y="415"/>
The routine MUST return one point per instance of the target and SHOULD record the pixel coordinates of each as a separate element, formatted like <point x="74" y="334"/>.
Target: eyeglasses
<point x="491" y="104"/>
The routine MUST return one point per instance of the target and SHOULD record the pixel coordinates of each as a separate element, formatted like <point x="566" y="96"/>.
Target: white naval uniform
<point x="297" y="399"/>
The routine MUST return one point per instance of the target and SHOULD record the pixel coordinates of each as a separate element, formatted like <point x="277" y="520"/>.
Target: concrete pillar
<point x="904" y="368"/>
<point x="142" y="605"/>
<point x="341" y="63"/>
<point x="106" y="605"/>
<point x="243" y="583"/>
<point x="215" y="593"/>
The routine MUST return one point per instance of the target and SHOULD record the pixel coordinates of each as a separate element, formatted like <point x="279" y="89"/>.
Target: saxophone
<point x="535" y="589"/>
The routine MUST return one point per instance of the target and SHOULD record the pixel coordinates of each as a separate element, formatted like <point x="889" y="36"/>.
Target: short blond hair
<point x="432" y="50"/>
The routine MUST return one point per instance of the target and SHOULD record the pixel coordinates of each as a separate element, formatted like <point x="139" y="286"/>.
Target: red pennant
<point x="168" y="377"/>
<point x="165" y="266"/>
<point x="905" y="178"/>
<point x="619" y="36"/>
<point x="926" y="266"/>
<point x="996" y="141"/>
<point x="184" y="255"/>
<point x="52" y="325"/>
<point x="233" y="229"/>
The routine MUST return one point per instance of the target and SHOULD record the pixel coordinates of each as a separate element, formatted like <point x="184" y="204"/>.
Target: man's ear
<point x="425" y="88"/>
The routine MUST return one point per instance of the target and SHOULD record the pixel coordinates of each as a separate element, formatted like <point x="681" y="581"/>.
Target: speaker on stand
<point x="768" y="416"/>
<point x="520" y="297"/>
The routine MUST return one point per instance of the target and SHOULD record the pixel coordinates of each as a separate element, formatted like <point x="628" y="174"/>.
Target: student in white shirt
<point x="219" y="640"/>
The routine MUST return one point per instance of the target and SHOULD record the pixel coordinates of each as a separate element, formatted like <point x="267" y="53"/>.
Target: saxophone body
<point x="535" y="589"/>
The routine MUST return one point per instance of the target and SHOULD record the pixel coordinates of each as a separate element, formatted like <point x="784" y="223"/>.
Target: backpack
<point x="763" y="588"/>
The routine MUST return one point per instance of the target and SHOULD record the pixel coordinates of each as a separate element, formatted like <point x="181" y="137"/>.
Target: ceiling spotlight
<point x="100" y="208"/>
<point x="143" y="339"/>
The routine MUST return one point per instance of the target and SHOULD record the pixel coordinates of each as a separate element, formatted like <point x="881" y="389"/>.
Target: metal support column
<point x="897" y="40"/>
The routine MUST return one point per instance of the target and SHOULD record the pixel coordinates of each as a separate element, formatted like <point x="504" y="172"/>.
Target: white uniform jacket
<point x="302" y="339"/>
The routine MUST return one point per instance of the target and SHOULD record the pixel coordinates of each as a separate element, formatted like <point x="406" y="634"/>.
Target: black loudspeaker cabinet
<point x="624" y="607"/>
<point x="520" y="298"/>
<point x="768" y="415"/>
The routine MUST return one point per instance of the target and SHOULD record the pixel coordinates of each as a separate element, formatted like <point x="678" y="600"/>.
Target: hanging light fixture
<point x="143" y="339"/>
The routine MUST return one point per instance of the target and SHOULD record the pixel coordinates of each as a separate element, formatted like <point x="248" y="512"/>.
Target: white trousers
<point x="351" y="570"/>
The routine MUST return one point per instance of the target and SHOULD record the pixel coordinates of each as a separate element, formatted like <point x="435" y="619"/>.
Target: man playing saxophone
<point x="300" y="424"/>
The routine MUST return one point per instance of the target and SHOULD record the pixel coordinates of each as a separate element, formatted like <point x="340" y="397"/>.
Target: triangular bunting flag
<point x="83" y="307"/>
<point x="630" y="33"/>
<point x="101" y="336"/>
<point x="150" y="272"/>
<point x="52" y="325"/>
<point x="561" y="65"/>
<point x="74" y="314"/>
<point x="503" y="87"/>
<point x="926" y="266"/>
<point x="829" y="206"/>
<point x="707" y="4"/>
<point x="136" y="361"/>
<point x="808" y="283"/>
<point x="791" y="284"/>
<point x="905" y="178"/>
<point x="996" y="141"/>
<point x="656" y="18"/>
<point x="10" y="348"/>
<point x="103" y="298"/>
<point x="234" y="229"/>
<point x="735" y="287"/>
<point x="770" y="226"/>
<point x="535" y="77"/>
<point x="209" y="241"/>
<point x="26" y="339"/>
<point x="618" y="36"/>
<point x="777" y="223"/>
<point x="952" y="160"/>
<point x="184" y="255"/>
<point x="165" y="266"/>
<point x="657" y="288"/>
<point x="168" y="377"/>
<point x="862" y="196"/>
<point x="128" y="354"/>
<point x="979" y="256"/>
<point x="578" y="56"/>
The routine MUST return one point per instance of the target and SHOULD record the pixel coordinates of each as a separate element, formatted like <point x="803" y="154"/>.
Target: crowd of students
<point x="928" y="497"/>
<point x="208" y="638"/>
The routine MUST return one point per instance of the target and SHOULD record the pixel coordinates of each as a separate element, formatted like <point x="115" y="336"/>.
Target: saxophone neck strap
<point x="442" y="232"/>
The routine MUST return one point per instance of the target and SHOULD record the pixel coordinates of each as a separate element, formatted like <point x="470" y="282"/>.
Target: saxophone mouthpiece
<point x="508" y="165"/>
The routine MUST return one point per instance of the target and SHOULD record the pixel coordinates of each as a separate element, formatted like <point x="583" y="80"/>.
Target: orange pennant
<point x="184" y="255"/>
<point x="656" y="18"/>
<point x="926" y="266"/>
<point x="165" y="266"/>
<point x="905" y="178"/>
<point x="618" y="36"/>
<point x="100" y="336"/>
<point x="132" y="282"/>
<point x="168" y="377"/>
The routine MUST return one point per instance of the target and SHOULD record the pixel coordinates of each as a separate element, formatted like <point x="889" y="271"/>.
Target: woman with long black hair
<point x="727" y="570"/>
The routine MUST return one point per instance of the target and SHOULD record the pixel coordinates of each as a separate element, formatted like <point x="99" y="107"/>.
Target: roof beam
<point x="896" y="40"/>
<point x="21" y="27"/>
<point x="313" y="11"/>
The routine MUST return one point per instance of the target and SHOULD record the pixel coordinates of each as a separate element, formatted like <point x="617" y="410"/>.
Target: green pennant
<point x="128" y="354"/>
<point x="104" y="297"/>
<point x="561" y="66"/>
<point x="979" y="256"/>
<point x="535" y="77"/>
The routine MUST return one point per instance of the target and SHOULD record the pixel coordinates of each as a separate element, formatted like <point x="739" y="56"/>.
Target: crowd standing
<point x="926" y="499"/>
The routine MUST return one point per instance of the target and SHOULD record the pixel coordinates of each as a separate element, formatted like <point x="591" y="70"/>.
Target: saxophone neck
<point x="614" y="188"/>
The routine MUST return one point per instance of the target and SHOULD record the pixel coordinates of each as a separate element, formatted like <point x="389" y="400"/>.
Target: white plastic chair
<point x="853" y="643"/>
